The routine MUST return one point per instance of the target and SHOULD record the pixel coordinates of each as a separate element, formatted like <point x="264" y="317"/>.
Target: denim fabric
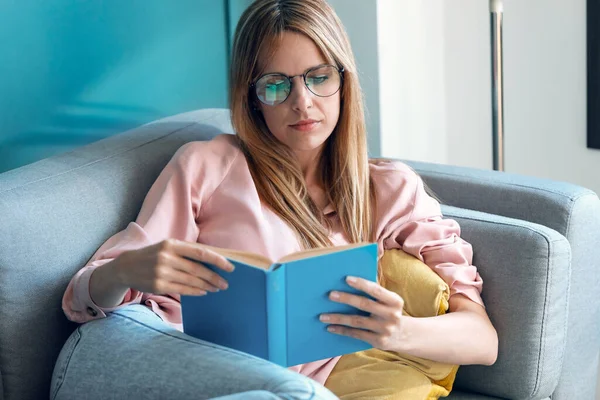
<point x="133" y="354"/>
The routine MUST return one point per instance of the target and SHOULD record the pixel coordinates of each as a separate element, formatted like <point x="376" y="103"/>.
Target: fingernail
<point x="331" y="329"/>
<point x="351" y="279"/>
<point x="335" y="295"/>
<point x="324" y="318"/>
<point x="223" y="285"/>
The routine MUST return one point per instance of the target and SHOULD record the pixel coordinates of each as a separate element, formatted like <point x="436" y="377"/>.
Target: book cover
<point x="274" y="313"/>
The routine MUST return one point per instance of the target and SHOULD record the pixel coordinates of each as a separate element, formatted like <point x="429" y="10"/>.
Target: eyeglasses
<point x="322" y="80"/>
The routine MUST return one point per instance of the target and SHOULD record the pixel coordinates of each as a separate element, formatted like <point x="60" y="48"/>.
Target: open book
<point x="271" y="310"/>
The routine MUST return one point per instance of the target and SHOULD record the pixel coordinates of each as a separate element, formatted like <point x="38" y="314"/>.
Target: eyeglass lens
<point x="273" y="89"/>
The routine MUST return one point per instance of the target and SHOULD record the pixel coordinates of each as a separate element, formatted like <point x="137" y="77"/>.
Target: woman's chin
<point x="307" y="147"/>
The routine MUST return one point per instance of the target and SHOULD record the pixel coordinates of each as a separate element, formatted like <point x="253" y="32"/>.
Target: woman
<point x="295" y="176"/>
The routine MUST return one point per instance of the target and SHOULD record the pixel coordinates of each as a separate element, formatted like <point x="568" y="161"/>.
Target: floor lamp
<point x="496" y="11"/>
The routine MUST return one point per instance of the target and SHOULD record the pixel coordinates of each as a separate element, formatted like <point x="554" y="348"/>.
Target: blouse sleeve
<point x="411" y="220"/>
<point x="169" y="210"/>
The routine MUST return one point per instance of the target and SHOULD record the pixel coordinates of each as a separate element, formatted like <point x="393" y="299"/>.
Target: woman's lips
<point x="305" y="126"/>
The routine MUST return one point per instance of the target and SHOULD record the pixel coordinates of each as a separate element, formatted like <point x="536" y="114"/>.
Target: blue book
<point x="272" y="310"/>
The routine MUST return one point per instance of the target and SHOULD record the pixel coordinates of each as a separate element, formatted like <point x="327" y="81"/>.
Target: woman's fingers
<point x="360" y="302"/>
<point x="172" y="275"/>
<point x="178" y="269"/>
<point x="197" y="252"/>
<point x="375" y="290"/>
<point x="353" y="321"/>
<point x="196" y="269"/>
<point x="185" y="290"/>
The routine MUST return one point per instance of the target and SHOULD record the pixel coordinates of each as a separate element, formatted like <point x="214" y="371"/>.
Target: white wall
<point x="467" y="79"/>
<point x="360" y="19"/>
<point x="436" y="101"/>
<point x="545" y="85"/>
<point x="436" y="105"/>
<point x="411" y="72"/>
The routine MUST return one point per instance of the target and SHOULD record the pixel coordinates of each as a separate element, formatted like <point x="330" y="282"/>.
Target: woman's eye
<point x="275" y="85"/>
<point x="315" y="80"/>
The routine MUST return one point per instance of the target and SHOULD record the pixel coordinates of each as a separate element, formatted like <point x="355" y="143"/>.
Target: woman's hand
<point x="383" y="329"/>
<point x="172" y="266"/>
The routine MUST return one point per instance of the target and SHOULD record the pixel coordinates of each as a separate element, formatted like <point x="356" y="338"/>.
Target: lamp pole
<point x="496" y="12"/>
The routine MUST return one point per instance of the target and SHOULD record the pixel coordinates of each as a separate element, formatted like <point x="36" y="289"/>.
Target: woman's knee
<point x="266" y="395"/>
<point x="62" y="363"/>
<point x="299" y="388"/>
<point x="126" y="341"/>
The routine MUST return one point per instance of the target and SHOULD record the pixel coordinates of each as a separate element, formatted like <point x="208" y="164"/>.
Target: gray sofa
<point x="537" y="247"/>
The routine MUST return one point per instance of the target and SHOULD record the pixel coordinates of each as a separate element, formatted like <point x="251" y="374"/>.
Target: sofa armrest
<point x="543" y="201"/>
<point x="572" y="211"/>
<point x="525" y="269"/>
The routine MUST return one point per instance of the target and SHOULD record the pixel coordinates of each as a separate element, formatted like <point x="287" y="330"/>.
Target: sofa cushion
<point x="55" y="214"/>
<point x="525" y="269"/>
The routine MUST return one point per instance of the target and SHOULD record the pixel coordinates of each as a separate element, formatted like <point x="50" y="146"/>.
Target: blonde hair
<point x="274" y="169"/>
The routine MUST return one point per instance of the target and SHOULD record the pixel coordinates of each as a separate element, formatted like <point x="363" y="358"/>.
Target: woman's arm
<point x="169" y="211"/>
<point x="411" y="220"/>
<point x="463" y="336"/>
<point x="170" y="266"/>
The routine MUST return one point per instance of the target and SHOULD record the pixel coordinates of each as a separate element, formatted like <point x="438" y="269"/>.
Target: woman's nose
<point x="301" y="98"/>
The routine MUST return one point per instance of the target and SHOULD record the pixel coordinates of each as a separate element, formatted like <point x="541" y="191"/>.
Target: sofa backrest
<point x="572" y="211"/>
<point x="54" y="214"/>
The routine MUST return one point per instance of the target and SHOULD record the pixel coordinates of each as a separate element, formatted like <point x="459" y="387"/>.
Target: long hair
<point x="277" y="175"/>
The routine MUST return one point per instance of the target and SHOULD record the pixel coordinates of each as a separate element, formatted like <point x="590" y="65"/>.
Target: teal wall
<point x="73" y="71"/>
<point x="235" y="10"/>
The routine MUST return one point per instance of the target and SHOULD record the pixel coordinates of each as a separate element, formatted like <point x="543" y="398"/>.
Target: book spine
<point x="276" y="316"/>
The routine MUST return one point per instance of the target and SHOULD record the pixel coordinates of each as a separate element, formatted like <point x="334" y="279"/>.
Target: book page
<point x="317" y="252"/>
<point x="253" y="259"/>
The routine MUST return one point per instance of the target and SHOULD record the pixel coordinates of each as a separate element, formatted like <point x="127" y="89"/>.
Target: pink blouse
<point x="206" y="194"/>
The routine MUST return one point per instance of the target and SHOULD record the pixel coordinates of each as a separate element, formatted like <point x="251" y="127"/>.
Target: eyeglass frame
<point x="340" y="71"/>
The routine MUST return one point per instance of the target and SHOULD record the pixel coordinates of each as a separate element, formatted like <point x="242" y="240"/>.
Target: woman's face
<point x="290" y="121"/>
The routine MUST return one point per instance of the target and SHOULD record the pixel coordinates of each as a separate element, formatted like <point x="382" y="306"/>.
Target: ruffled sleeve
<point x="169" y="210"/>
<point x="409" y="219"/>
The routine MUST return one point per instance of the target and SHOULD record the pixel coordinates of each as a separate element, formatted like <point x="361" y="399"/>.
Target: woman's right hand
<point x="172" y="267"/>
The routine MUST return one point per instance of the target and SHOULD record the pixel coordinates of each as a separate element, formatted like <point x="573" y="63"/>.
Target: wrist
<point x="106" y="288"/>
<point x="108" y="278"/>
<point x="408" y="326"/>
<point x="116" y="273"/>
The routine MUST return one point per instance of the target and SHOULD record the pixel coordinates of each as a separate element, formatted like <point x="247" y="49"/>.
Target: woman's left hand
<point x="383" y="328"/>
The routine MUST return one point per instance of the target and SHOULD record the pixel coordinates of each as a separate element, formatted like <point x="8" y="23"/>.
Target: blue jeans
<point x="133" y="354"/>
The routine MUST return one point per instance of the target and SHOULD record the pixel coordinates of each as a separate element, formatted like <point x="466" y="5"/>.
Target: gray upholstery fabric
<point x="525" y="272"/>
<point x="542" y="201"/>
<point x="460" y="395"/>
<point x="572" y="211"/>
<point x="583" y="232"/>
<point x="56" y="212"/>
